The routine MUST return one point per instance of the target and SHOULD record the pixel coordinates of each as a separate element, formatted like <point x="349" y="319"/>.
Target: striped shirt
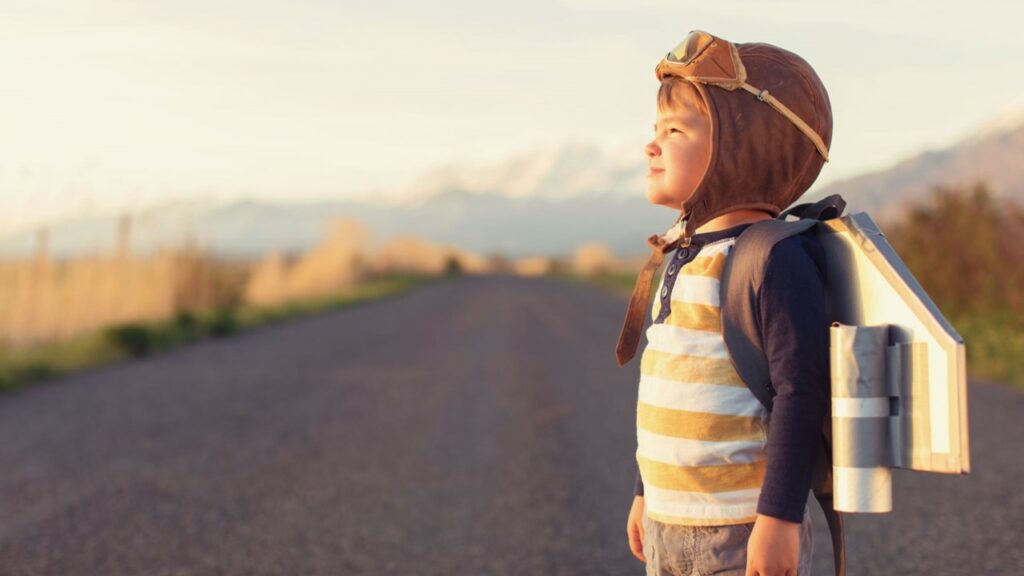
<point x="704" y="451"/>
<point x="701" y="433"/>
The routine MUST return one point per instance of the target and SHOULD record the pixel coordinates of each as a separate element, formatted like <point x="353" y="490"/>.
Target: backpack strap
<point x="740" y="284"/>
<point x="825" y="209"/>
<point x="821" y="484"/>
<point x="837" y="531"/>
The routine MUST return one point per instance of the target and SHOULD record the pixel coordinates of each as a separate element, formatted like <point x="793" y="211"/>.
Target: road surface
<point x="472" y="426"/>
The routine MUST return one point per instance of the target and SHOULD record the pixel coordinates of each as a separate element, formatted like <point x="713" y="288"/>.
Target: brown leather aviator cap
<point x="771" y="127"/>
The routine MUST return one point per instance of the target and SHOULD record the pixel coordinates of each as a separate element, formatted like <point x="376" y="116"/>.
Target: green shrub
<point x="452" y="267"/>
<point x="966" y="248"/>
<point x="223" y="323"/>
<point x="186" y="325"/>
<point x="135" y="340"/>
<point x="14" y="377"/>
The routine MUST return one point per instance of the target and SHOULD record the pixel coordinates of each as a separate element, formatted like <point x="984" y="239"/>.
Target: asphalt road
<point x="474" y="426"/>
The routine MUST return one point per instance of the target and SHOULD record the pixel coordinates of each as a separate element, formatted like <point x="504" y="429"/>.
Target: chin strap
<point x="632" y="326"/>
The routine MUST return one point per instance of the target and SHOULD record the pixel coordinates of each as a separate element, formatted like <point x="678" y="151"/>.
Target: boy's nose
<point x="652" y="149"/>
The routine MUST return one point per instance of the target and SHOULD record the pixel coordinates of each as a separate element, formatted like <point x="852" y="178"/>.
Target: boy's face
<point x="678" y="156"/>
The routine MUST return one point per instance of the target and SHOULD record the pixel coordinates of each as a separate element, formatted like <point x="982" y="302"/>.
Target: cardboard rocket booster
<point x="899" y="385"/>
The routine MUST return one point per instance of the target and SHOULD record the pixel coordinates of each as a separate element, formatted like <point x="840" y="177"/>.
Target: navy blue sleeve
<point x="794" y="328"/>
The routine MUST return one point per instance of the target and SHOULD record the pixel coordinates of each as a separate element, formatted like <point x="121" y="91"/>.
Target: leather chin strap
<point x="632" y="326"/>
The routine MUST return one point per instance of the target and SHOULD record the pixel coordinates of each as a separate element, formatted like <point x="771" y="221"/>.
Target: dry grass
<point x="60" y="316"/>
<point x="23" y="366"/>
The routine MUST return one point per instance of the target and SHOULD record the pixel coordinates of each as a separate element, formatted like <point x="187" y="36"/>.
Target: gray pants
<point x="674" y="550"/>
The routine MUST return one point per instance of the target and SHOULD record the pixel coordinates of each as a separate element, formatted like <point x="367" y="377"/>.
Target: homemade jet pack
<point x="898" y="368"/>
<point x="899" y="385"/>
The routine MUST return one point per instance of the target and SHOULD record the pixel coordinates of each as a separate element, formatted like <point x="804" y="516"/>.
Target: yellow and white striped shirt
<point x="701" y="433"/>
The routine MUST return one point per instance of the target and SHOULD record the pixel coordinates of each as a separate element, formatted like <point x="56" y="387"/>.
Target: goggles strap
<point x="764" y="96"/>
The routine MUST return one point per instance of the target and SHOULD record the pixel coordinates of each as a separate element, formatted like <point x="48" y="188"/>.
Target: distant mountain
<point x="483" y="223"/>
<point x="547" y="202"/>
<point x="558" y="174"/>
<point x="994" y="154"/>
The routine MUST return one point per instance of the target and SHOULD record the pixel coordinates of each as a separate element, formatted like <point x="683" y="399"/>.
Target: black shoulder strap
<point x="825" y="209"/>
<point x="740" y="284"/>
<point x="741" y="281"/>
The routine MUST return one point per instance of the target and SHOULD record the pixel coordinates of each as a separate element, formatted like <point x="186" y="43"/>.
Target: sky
<point x="108" y="105"/>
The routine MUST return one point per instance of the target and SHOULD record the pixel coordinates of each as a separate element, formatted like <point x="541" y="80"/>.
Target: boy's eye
<point x="671" y="130"/>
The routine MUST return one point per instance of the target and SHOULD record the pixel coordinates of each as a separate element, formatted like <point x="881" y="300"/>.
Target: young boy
<point x="742" y="131"/>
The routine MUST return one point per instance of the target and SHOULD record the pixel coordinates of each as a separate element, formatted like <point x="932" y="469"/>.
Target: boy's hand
<point x="635" y="528"/>
<point x="773" y="548"/>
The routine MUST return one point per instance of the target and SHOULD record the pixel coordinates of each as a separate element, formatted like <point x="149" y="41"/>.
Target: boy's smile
<point x="678" y="156"/>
